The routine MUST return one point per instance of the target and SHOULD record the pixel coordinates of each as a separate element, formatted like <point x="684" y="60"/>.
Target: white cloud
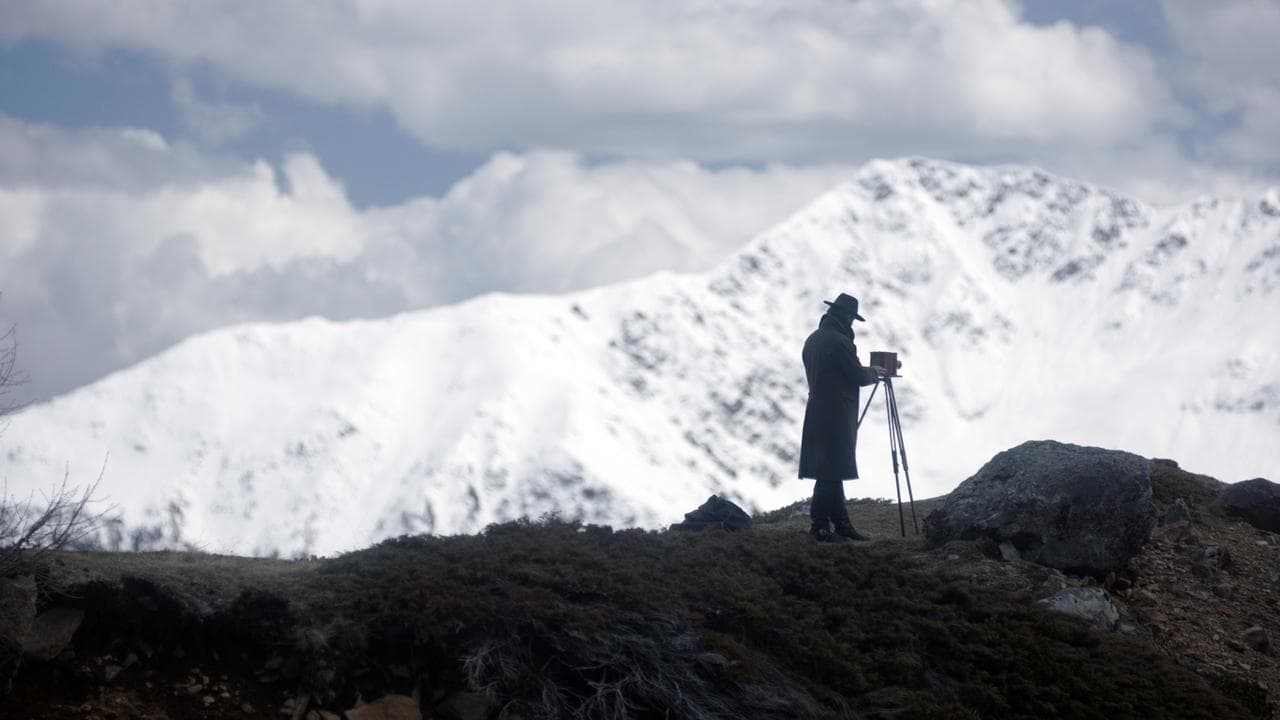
<point x="1229" y="58"/>
<point x="213" y="122"/>
<point x="714" y="81"/>
<point x="108" y="263"/>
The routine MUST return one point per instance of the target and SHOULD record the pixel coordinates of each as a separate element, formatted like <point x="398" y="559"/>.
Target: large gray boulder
<point x="1255" y="501"/>
<point x="17" y="611"/>
<point x="1079" y="509"/>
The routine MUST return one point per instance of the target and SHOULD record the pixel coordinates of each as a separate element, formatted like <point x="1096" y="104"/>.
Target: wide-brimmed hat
<point x="848" y="304"/>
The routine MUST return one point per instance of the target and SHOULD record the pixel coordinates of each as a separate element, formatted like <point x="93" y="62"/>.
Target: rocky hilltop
<point x="1018" y="601"/>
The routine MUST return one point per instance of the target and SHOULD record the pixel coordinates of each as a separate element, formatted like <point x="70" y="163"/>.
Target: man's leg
<point x="840" y="515"/>
<point x="819" y="510"/>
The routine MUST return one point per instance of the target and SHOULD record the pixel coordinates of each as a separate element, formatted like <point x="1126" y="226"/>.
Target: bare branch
<point x="30" y="530"/>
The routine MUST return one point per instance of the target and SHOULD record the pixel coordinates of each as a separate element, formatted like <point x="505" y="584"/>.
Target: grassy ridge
<point x="556" y="619"/>
<point x="757" y="624"/>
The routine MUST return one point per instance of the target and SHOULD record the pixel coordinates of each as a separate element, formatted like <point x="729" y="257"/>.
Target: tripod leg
<point x="893" y="452"/>
<point x="867" y="407"/>
<point x="892" y="399"/>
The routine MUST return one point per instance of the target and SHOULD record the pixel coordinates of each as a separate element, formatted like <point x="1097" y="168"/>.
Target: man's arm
<point x="853" y="369"/>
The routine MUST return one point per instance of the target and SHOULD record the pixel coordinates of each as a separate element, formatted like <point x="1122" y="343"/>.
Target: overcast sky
<point x="171" y="167"/>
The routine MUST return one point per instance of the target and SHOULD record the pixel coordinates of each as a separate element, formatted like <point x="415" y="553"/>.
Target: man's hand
<point x="879" y="371"/>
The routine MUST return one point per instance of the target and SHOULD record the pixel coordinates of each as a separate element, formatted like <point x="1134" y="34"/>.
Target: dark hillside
<point x="555" y="619"/>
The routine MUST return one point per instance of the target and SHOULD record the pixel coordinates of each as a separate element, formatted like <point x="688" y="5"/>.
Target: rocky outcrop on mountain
<point x="1081" y="509"/>
<point x="1256" y="501"/>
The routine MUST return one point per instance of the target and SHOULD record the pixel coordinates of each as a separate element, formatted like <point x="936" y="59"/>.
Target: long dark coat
<point x="830" y="438"/>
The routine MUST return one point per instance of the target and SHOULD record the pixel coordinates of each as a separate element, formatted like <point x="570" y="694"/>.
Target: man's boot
<point x="822" y="533"/>
<point x="847" y="531"/>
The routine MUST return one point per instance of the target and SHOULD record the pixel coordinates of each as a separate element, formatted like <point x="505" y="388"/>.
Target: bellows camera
<point x="888" y="361"/>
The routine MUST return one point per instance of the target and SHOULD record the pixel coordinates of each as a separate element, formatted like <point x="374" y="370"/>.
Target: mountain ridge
<point x="1023" y="305"/>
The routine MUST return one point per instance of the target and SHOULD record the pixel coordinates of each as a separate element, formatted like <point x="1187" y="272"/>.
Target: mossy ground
<point x="555" y="619"/>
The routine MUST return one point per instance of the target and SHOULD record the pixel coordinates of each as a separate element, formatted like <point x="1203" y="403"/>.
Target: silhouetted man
<point x="829" y="443"/>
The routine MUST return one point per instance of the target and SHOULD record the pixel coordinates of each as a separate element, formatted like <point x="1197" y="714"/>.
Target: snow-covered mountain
<point x="1023" y="305"/>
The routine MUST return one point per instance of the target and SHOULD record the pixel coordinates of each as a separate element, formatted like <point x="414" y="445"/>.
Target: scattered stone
<point x="246" y="708"/>
<point x="1134" y="629"/>
<point x="1009" y="552"/>
<point x="1255" y="501"/>
<point x="111" y="672"/>
<point x="1256" y="638"/>
<point x="298" y="706"/>
<point x="17" y="611"/>
<point x="1146" y="598"/>
<point x="466" y="706"/>
<point x="1201" y="595"/>
<point x="388" y="707"/>
<point x="1079" y="509"/>
<point x="1226" y="591"/>
<point x="1218" y="556"/>
<point x="1092" y="604"/>
<point x="208" y="700"/>
<point x="716" y="512"/>
<point x="51" y="633"/>
<point x="1177" y="512"/>
<point x="1182" y="533"/>
<point x="1203" y="570"/>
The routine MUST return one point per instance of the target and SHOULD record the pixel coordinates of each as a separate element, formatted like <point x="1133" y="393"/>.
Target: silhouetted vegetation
<point x="555" y="619"/>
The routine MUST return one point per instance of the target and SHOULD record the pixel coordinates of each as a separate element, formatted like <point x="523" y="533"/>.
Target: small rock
<point x="1200" y="595"/>
<point x="1092" y="604"/>
<point x="1183" y="534"/>
<point x="1009" y="552"/>
<point x="111" y="672"/>
<point x="1177" y="512"/>
<point x="388" y="707"/>
<point x="1145" y="598"/>
<point x="51" y="633"/>
<point x="1225" y="591"/>
<point x="130" y="660"/>
<point x="208" y="700"/>
<point x="246" y="708"/>
<point x="716" y="512"/>
<point x="1256" y="638"/>
<point x="1212" y="555"/>
<point x="1203" y="570"/>
<point x="465" y="706"/>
